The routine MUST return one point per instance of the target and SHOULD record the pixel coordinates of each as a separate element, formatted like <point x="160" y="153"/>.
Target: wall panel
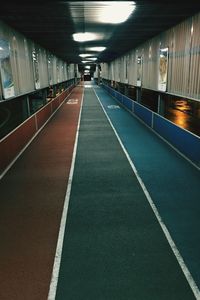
<point x="183" y="42"/>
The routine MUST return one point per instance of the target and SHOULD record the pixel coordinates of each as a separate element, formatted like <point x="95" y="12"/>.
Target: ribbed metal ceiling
<point x="52" y="24"/>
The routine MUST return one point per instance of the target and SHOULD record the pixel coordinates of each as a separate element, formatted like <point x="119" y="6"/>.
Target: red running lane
<point x="32" y="196"/>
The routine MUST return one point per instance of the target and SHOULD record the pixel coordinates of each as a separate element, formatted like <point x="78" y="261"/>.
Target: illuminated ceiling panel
<point x="52" y="25"/>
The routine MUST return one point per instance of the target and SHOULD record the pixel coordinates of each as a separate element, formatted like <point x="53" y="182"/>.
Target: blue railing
<point x="183" y="140"/>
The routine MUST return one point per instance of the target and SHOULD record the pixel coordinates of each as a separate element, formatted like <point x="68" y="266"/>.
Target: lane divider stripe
<point x="176" y="252"/>
<point x="58" y="254"/>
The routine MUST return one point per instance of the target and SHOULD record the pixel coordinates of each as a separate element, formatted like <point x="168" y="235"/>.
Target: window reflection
<point x="149" y="99"/>
<point x="183" y="112"/>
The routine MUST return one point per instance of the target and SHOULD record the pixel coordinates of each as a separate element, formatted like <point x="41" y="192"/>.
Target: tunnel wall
<point x="184" y="141"/>
<point x="31" y="67"/>
<point x="141" y="66"/>
<point x="12" y="144"/>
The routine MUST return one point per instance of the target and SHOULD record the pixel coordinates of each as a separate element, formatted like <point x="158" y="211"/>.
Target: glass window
<point x="183" y="112"/>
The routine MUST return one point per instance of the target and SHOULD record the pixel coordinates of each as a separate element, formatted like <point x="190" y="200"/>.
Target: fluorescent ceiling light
<point x="115" y="12"/>
<point x="84" y="55"/>
<point x="98" y="49"/>
<point x="92" y="58"/>
<point x="87" y="67"/>
<point x="164" y="49"/>
<point x="1" y="48"/>
<point x="84" y="36"/>
<point x="85" y="61"/>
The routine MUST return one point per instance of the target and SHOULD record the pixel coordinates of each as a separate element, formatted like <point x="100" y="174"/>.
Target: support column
<point x="161" y="105"/>
<point x="138" y="94"/>
<point x="44" y="96"/>
<point x="26" y="107"/>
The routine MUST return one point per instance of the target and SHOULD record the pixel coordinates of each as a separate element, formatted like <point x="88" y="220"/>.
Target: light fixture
<point x="85" y="61"/>
<point x="87" y="67"/>
<point x="84" y="55"/>
<point x="92" y="58"/>
<point x="1" y="48"/>
<point x="163" y="49"/>
<point x="115" y="12"/>
<point x="84" y="36"/>
<point x="98" y="49"/>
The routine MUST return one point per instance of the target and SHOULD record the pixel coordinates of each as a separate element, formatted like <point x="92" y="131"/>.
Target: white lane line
<point x="58" y="254"/>
<point x="155" y="132"/>
<point x="176" y="252"/>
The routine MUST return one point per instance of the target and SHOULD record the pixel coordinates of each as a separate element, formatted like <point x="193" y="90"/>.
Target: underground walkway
<point x="113" y="245"/>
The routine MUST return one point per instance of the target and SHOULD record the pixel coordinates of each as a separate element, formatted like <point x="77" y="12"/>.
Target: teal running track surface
<point x="114" y="248"/>
<point x="173" y="183"/>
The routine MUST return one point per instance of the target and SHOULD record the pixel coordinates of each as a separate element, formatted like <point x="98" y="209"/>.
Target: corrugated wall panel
<point x="146" y="57"/>
<point x="21" y="56"/>
<point x="43" y="69"/>
<point x="194" y="71"/>
<point x="132" y="68"/>
<point x="183" y="42"/>
<point x="180" y="55"/>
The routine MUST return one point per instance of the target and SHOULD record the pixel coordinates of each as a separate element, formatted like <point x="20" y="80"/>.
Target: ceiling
<point x="52" y="24"/>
